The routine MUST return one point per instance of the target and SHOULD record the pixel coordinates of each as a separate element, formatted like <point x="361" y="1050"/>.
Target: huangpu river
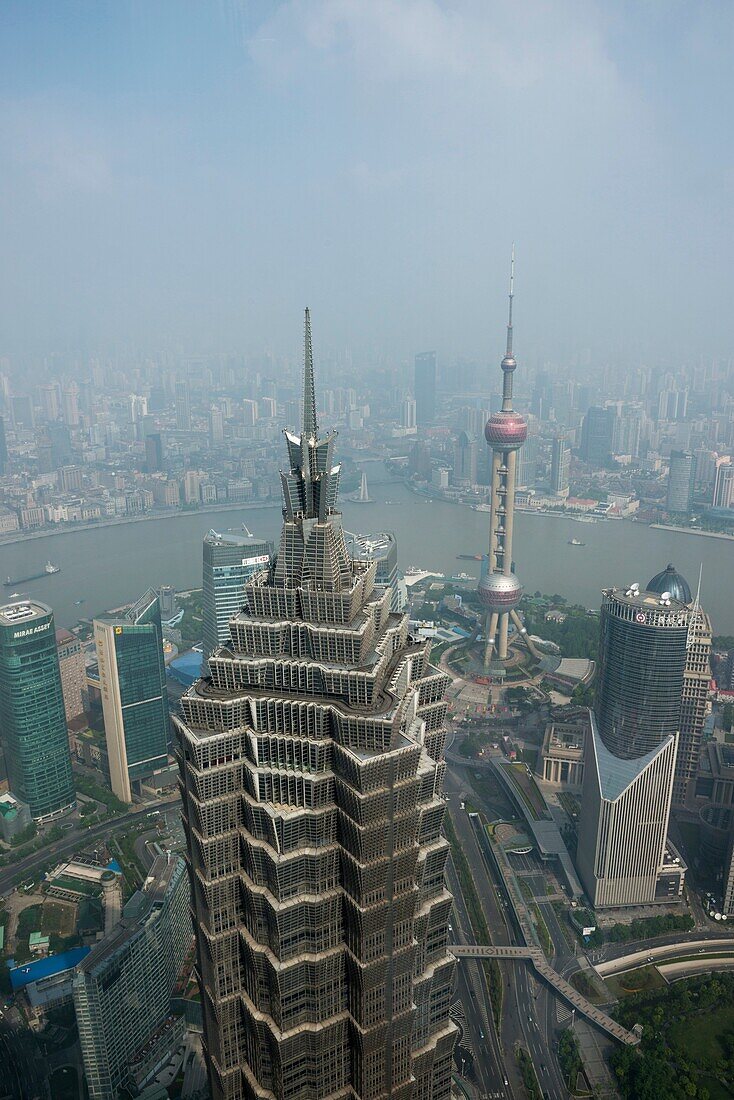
<point x="108" y="566"/>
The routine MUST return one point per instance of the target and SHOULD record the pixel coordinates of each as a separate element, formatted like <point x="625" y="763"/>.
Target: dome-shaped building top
<point x="670" y="580"/>
<point x="506" y="430"/>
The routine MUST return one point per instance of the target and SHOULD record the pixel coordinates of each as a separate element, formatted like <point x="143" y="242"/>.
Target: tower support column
<point x="502" y="643"/>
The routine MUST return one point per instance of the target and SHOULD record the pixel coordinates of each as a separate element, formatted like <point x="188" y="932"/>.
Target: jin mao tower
<point x="311" y="777"/>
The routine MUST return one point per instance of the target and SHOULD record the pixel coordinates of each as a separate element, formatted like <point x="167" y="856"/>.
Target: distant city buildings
<point x="183" y="406"/>
<point x="724" y="484"/>
<point x="32" y="715"/>
<point x="132" y="679"/>
<point x="122" y="988"/>
<point x="597" y="431"/>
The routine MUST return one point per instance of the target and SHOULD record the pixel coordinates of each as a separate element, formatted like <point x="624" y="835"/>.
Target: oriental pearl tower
<point x="499" y="589"/>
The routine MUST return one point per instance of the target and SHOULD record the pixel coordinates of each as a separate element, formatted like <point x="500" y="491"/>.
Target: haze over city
<point x="184" y="177"/>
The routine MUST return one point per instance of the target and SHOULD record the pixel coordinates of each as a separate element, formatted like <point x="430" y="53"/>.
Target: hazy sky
<point x="188" y="175"/>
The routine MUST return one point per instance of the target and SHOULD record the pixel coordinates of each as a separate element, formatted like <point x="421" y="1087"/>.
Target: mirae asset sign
<point x="31" y="630"/>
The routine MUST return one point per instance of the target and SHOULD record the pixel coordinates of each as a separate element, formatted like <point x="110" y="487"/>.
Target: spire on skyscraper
<point x="310" y="427"/>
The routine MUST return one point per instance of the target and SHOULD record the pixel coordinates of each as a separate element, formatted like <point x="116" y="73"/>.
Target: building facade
<point x="73" y="673"/>
<point x="597" y="432"/>
<point x="132" y="678"/>
<point x="230" y="559"/>
<point x="122" y="988"/>
<point x="32" y="716"/>
<point x="382" y="548"/>
<point x="311" y="773"/>
<point x="724" y="484"/>
<point x="630" y="757"/>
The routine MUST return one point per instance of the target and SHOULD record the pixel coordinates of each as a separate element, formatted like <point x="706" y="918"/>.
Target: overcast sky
<point x="188" y="175"/>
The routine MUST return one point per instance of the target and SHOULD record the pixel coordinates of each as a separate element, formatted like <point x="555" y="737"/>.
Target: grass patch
<point x="529" y="1077"/>
<point x="542" y="929"/>
<point x="587" y="987"/>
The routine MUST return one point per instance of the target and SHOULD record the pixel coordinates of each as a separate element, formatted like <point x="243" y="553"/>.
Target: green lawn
<point x="699" y="1036"/>
<point x="635" y="981"/>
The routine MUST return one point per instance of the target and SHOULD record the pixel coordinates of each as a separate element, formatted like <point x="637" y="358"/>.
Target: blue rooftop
<point x="186" y="668"/>
<point x="21" y="976"/>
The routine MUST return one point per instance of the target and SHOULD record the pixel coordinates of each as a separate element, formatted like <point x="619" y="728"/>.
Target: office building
<point x="500" y="590"/>
<point x="696" y="679"/>
<point x="154" y="454"/>
<point x="230" y="559"/>
<point x="526" y="474"/>
<point x="597" y="431"/>
<point x="560" y="467"/>
<point x="382" y="548"/>
<point x="216" y="426"/>
<point x="15" y="816"/>
<point x="132" y="679"/>
<point x="183" y="406"/>
<point x="465" y="461"/>
<point x="311" y="769"/>
<point x="425" y="388"/>
<point x="624" y="856"/>
<point x="408" y="417"/>
<point x="724" y="484"/>
<point x="122" y="988"/>
<point x="3" y="449"/>
<point x="32" y="717"/>
<point x="49" y="397"/>
<point x="72" y="667"/>
<point x="681" y="480"/>
<point x="70" y="406"/>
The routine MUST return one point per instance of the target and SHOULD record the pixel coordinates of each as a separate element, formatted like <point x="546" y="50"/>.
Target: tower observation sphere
<point x="500" y="591"/>
<point x="506" y="431"/>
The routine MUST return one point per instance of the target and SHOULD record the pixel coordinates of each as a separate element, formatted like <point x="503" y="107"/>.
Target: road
<point x="72" y="841"/>
<point x="528" y="1011"/>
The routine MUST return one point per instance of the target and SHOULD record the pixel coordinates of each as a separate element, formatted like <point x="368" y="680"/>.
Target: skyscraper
<point x="631" y="750"/>
<point x="696" y="679"/>
<point x="230" y="559"/>
<point x="73" y="673"/>
<point x="216" y="425"/>
<point x="560" y="467"/>
<point x="154" y="457"/>
<point x="465" y="461"/>
<point x="183" y="405"/>
<point x="32" y="718"/>
<point x="724" y="484"/>
<point x="132" y="678"/>
<point x="499" y="589"/>
<point x="311" y="783"/>
<point x="122" y="988"/>
<point x="597" y="431"/>
<point x="425" y="388"/>
<point x="681" y="479"/>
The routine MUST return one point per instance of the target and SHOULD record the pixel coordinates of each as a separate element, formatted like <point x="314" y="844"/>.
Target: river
<point x="109" y="566"/>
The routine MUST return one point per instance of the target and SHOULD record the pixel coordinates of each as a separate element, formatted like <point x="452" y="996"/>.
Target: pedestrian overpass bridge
<point x="563" y="988"/>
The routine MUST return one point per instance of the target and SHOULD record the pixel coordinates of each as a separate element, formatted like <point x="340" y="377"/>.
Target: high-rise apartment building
<point x="425" y="388"/>
<point x="122" y="988"/>
<point x="230" y="559"/>
<point x="560" y="467"/>
<point x="624" y="857"/>
<point x="311" y="783"/>
<point x="72" y="667"/>
<point x="132" y="678"/>
<point x="597" y="431"/>
<point x="183" y="405"/>
<point x="32" y="717"/>
<point x="70" y="406"/>
<point x="216" y="425"/>
<point x="681" y="480"/>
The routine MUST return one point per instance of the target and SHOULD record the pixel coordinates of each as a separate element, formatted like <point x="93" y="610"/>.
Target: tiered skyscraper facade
<point x="311" y="777"/>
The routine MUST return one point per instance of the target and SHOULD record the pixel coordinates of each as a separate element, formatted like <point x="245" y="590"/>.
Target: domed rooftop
<point x="670" y="580"/>
<point x="506" y="430"/>
<point x="499" y="591"/>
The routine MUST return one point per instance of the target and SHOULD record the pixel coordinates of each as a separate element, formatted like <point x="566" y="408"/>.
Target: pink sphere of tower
<point x="506" y="431"/>
<point x="499" y="591"/>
